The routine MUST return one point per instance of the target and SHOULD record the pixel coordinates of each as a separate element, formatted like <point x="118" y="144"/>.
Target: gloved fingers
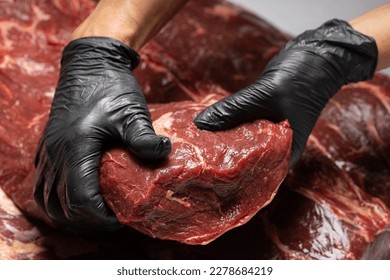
<point x="142" y="140"/>
<point x="45" y="179"/>
<point x="70" y="190"/>
<point x="80" y="197"/>
<point x="298" y="146"/>
<point x="258" y="101"/>
<point x="248" y="104"/>
<point x="137" y="130"/>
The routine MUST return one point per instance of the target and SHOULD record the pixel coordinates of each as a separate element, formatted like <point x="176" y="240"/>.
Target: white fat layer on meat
<point x="7" y="205"/>
<point x="7" y="26"/>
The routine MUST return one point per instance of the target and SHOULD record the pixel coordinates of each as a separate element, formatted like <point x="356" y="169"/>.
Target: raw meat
<point x="340" y="188"/>
<point x="21" y="238"/>
<point x="330" y="207"/>
<point x="31" y="42"/>
<point x="234" y="195"/>
<point x="210" y="183"/>
<point x="184" y="61"/>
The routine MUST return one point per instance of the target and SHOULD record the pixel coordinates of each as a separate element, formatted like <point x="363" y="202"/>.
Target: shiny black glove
<point x="97" y="102"/>
<point x="299" y="81"/>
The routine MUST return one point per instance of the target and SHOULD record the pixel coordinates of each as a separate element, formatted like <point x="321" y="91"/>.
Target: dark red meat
<point x="184" y="61"/>
<point x="331" y="206"/>
<point x="211" y="182"/>
<point x="337" y="198"/>
<point x="236" y="178"/>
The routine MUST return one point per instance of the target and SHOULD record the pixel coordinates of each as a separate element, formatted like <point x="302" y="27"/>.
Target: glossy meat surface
<point x="331" y="206"/>
<point x="337" y="198"/>
<point x="211" y="182"/>
<point x="29" y="73"/>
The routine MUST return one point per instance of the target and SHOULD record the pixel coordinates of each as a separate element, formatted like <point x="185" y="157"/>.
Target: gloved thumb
<point x="221" y="115"/>
<point x="235" y="109"/>
<point x="142" y="140"/>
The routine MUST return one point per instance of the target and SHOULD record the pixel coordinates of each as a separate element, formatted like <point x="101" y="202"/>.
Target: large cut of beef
<point x="210" y="183"/>
<point x="219" y="179"/>
<point x="331" y="206"/>
<point x="337" y="197"/>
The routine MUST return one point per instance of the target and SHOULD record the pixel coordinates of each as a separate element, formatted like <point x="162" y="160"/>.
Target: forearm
<point x="134" y="22"/>
<point x="376" y="23"/>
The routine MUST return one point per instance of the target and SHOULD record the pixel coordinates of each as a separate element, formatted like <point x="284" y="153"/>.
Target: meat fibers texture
<point x="334" y="204"/>
<point x="224" y="186"/>
<point x="211" y="182"/>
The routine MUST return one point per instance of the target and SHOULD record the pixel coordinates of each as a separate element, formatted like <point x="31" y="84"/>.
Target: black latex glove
<point x="299" y="81"/>
<point x="97" y="101"/>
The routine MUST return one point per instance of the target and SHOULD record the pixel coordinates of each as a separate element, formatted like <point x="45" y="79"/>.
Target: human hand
<point x="298" y="82"/>
<point x="97" y="102"/>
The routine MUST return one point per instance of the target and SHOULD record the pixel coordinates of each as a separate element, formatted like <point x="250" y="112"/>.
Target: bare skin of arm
<point x="133" y="22"/>
<point x="376" y="23"/>
<point x="136" y="22"/>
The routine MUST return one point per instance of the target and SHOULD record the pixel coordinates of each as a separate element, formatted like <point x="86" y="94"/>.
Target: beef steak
<point x="201" y="182"/>
<point x="210" y="183"/>
<point x="331" y="206"/>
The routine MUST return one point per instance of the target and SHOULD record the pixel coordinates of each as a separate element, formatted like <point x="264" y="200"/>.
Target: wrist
<point x="127" y="38"/>
<point x="100" y="53"/>
<point x="110" y="19"/>
<point x="375" y="23"/>
<point x="130" y="22"/>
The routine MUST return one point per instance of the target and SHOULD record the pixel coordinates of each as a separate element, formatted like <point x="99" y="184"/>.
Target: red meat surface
<point x="331" y="206"/>
<point x="211" y="182"/>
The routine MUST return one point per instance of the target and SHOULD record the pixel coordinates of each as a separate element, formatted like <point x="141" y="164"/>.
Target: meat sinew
<point x="210" y="183"/>
<point x="332" y="205"/>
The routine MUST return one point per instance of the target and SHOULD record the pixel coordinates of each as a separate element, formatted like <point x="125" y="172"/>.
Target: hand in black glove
<point x="97" y="101"/>
<point x="299" y="81"/>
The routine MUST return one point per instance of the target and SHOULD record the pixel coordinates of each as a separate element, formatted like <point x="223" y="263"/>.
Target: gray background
<point x="296" y="16"/>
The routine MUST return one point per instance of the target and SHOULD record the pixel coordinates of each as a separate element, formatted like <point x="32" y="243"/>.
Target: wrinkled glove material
<point x="299" y="81"/>
<point x="97" y="102"/>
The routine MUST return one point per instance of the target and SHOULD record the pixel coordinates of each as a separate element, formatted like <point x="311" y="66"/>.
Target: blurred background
<point x="296" y="16"/>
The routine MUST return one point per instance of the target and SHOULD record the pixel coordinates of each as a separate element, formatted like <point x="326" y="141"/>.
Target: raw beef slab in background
<point x="331" y="206"/>
<point x="219" y="178"/>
